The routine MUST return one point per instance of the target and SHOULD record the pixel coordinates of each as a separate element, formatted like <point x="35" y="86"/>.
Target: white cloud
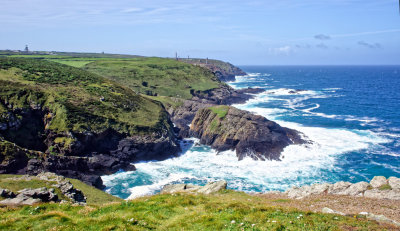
<point x="284" y="50"/>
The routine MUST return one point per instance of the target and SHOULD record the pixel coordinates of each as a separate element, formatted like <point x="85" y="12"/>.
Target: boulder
<point x="20" y="200"/>
<point x="378" y="181"/>
<point x="394" y="182"/>
<point x="383" y="194"/>
<point x="356" y="189"/>
<point x="44" y="194"/>
<point x="320" y="188"/>
<point x="373" y="193"/>
<point x="295" y="193"/>
<point x="306" y="190"/>
<point x="331" y="211"/>
<point x="339" y="187"/>
<point x="213" y="187"/>
<point x="210" y="187"/>
<point x="31" y="196"/>
<point x="173" y="188"/>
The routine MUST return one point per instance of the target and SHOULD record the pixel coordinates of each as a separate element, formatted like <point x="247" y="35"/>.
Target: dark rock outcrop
<point x="28" y="148"/>
<point x="5" y="193"/>
<point x="226" y="95"/>
<point x="228" y="128"/>
<point x="183" y="116"/>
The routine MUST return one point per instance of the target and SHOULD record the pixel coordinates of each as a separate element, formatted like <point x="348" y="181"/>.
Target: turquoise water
<point x="350" y="113"/>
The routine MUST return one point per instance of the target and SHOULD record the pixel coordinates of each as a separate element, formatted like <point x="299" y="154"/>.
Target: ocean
<point x="351" y="113"/>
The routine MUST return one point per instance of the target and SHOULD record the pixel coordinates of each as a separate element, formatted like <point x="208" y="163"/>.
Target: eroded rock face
<point x="251" y="135"/>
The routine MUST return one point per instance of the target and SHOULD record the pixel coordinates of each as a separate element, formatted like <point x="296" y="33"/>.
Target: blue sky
<point x="267" y="32"/>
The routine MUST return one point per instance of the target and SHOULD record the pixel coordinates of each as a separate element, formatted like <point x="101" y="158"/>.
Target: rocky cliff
<point x="68" y="121"/>
<point x="184" y="114"/>
<point x="224" y="71"/>
<point x="228" y="128"/>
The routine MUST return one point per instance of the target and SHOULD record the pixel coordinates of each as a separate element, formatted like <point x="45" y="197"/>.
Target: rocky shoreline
<point x="90" y="154"/>
<point x="378" y="188"/>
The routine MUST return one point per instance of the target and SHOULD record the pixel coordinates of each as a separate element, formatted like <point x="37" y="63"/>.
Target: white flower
<point x="233" y="222"/>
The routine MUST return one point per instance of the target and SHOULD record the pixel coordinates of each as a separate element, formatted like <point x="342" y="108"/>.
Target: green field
<point x="145" y="75"/>
<point x="156" y="76"/>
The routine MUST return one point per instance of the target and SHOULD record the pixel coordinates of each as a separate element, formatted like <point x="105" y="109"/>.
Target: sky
<point x="243" y="32"/>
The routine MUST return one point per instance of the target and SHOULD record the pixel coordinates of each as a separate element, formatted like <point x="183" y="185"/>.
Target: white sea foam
<point x="288" y="91"/>
<point x="301" y="164"/>
<point x="306" y="161"/>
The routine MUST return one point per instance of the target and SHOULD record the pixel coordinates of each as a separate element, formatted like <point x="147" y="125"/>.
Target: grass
<point x="220" y="110"/>
<point x="93" y="195"/>
<point x="385" y="187"/>
<point x="156" y="76"/>
<point x="227" y="210"/>
<point x="73" y="63"/>
<point x="166" y="101"/>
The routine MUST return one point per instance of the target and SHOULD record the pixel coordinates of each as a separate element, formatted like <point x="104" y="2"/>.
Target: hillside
<point x="51" y="111"/>
<point x="156" y="76"/>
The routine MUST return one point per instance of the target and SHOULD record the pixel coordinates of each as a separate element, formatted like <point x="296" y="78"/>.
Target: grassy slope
<point x="73" y="96"/>
<point x="166" y="77"/>
<point x="221" y="110"/>
<point x="178" y="212"/>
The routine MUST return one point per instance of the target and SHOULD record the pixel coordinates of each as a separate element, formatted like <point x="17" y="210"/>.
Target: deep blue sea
<point x="351" y="113"/>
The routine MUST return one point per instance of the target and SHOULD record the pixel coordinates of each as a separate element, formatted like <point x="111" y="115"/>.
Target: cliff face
<point x="228" y="128"/>
<point x="68" y="121"/>
<point x="183" y="115"/>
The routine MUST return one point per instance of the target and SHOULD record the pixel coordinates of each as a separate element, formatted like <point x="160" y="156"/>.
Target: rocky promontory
<point x="224" y="71"/>
<point x="228" y="128"/>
